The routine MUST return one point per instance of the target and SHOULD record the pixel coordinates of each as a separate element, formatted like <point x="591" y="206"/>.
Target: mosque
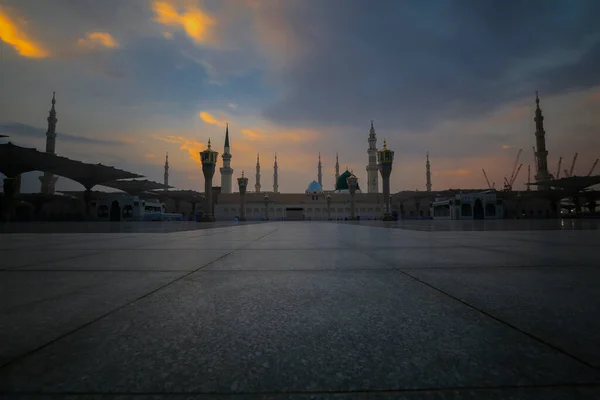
<point x="316" y="203"/>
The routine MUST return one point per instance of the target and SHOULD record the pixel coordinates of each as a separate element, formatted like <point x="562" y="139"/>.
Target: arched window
<point x="466" y="210"/>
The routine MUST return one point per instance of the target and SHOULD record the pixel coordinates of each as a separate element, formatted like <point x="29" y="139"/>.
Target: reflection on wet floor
<point x="491" y="225"/>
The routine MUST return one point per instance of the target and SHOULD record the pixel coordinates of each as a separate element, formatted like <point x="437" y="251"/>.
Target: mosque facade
<point x="316" y="203"/>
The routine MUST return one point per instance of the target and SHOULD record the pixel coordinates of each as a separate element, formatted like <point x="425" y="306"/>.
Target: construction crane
<point x="593" y="167"/>
<point x="486" y="178"/>
<point x="512" y="174"/>
<point x="573" y="165"/>
<point x="514" y="177"/>
<point x="558" y="169"/>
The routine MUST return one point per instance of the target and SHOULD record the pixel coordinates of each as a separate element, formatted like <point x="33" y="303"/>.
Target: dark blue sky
<point x="455" y="78"/>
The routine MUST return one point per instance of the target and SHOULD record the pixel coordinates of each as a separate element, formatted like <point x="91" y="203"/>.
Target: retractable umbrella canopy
<point x="15" y="160"/>
<point x="136" y="186"/>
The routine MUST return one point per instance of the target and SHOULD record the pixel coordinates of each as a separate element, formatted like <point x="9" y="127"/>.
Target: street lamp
<point x="385" y="158"/>
<point x="209" y="161"/>
<point x="243" y="184"/>
<point x="266" y="207"/>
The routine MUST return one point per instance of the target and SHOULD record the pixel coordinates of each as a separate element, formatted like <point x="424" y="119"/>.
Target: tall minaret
<point x="337" y="168"/>
<point x="166" y="176"/>
<point x="48" y="180"/>
<point x="428" y="174"/>
<point x="226" y="171"/>
<point x="275" y="177"/>
<point x="320" y="172"/>
<point x="541" y="154"/>
<point x="257" y="185"/>
<point x="372" y="178"/>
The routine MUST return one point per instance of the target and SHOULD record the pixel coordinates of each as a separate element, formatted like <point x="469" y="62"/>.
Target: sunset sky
<point x="137" y="78"/>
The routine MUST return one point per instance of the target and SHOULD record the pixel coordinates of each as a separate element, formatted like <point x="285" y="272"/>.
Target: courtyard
<point x="299" y="310"/>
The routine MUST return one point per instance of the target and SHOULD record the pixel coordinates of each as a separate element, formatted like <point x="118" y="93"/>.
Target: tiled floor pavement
<point x="301" y="310"/>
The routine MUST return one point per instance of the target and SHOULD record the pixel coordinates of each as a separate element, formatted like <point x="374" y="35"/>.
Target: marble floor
<point x="302" y="310"/>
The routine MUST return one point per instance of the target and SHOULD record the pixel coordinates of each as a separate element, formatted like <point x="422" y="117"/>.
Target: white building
<point x="484" y="205"/>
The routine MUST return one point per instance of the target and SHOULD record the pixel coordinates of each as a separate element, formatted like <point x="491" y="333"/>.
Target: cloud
<point x="232" y="106"/>
<point x="13" y="34"/>
<point x="17" y="130"/>
<point x="210" y="119"/>
<point x="150" y="155"/>
<point x="94" y="40"/>
<point x="192" y="146"/>
<point x="252" y="135"/>
<point x="415" y="68"/>
<point x="195" y="22"/>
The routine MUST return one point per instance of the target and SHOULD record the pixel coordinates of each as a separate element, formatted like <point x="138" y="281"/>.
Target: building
<point x="484" y="205"/>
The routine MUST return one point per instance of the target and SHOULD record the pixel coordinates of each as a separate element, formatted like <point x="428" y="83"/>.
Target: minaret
<point x="541" y="154"/>
<point x="372" y="178"/>
<point x="320" y="172"/>
<point x="48" y="180"/>
<point x="257" y="185"/>
<point x="226" y="170"/>
<point x="428" y="174"/>
<point x="166" y="176"/>
<point x="275" y="177"/>
<point x="337" y="168"/>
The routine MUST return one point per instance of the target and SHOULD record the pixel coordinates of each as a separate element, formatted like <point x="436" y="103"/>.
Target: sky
<point x="138" y="78"/>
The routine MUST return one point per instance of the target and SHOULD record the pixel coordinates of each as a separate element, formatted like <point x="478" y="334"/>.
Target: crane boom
<point x="573" y="165"/>
<point x="566" y="173"/>
<point x="558" y="170"/>
<point x="593" y="167"/>
<point x="515" y="166"/>
<point x="486" y="178"/>
<point x="512" y="181"/>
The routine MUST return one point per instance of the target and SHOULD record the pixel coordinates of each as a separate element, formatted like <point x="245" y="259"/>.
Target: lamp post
<point x="385" y="159"/>
<point x="352" y="181"/>
<point x="266" y="207"/>
<point x="328" y="207"/>
<point x="209" y="161"/>
<point x="243" y="184"/>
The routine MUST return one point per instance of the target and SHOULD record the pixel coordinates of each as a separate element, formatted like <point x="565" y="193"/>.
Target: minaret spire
<point x="226" y="171"/>
<point x="166" y="176"/>
<point x="275" y="176"/>
<point x="372" y="174"/>
<point x="48" y="181"/>
<point x="541" y="154"/>
<point x="428" y="174"/>
<point x="320" y="172"/>
<point x="257" y="185"/>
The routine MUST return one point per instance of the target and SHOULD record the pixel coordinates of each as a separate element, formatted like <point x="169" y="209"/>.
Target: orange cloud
<point x="192" y="146"/>
<point x="252" y="135"/>
<point x="195" y="22"/>
<point x="150" y="155"/>
<point x="210" y="119"/>
<point x="13" y="35"/>
<point x="506" y="146"/>
<point x="98" y="39"/>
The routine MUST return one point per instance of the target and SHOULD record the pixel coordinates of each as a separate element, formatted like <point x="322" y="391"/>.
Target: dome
<point x="314" y="187"/>
<point x="342" y="183"/>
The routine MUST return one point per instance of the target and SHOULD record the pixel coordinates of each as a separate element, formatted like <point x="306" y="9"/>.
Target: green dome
<point x="342" y="183"/>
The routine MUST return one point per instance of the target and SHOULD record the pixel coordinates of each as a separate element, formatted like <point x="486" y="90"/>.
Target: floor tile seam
<point x="433" y="390"/>
<point x="489" y="315"/>
<point x="541" y="266"/>
<point x="505" y="323"/>
<point x="51" y="261"/>
<point x="114" y="310"/>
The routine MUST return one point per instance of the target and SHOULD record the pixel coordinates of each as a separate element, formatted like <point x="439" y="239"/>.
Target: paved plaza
<point x="302" y="310"/>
